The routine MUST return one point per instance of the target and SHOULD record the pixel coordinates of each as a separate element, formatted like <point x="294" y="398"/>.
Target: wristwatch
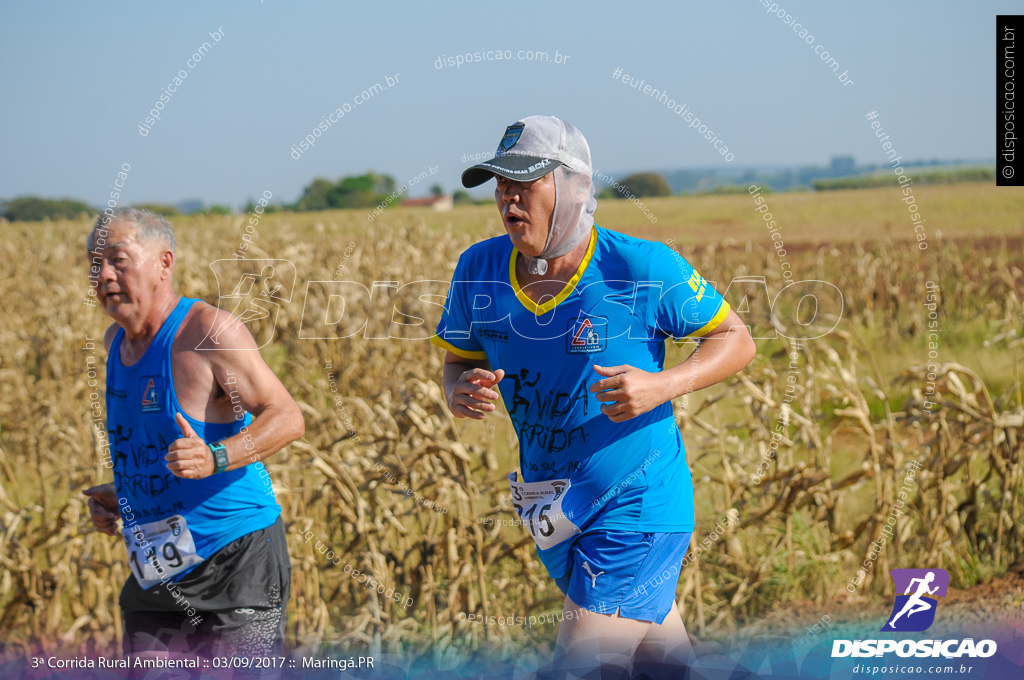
<point x="220" y="457"/>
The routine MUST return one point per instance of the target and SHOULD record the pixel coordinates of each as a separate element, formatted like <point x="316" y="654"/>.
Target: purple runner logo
<point x="914" y="610"/>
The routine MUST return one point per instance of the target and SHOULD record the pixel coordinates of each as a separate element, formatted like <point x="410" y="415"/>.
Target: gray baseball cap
<point x="531" y="148"/>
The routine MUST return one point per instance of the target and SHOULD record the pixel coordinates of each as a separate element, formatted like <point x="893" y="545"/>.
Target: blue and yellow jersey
<point x="626" y="299"/>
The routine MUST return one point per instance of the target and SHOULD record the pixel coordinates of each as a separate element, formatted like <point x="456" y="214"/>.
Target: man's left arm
<point x="630" y="391"/>
<point x="240" y="370"/>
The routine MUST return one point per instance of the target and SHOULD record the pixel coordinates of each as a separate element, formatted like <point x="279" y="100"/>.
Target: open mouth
<point x="514" y="220"/>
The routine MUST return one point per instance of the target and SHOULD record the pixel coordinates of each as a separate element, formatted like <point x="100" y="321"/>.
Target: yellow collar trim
<point x="569" y="287"/>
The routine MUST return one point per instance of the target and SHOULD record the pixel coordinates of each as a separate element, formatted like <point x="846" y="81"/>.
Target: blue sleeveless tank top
<point x="141" y="403"/>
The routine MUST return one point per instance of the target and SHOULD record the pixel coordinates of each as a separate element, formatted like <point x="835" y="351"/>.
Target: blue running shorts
<point x="633" y="572"/>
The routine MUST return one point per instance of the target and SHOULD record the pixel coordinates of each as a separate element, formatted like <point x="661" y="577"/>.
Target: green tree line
<point x="954" y="176"/>
<point x="35" y="209"/>
<point x="371" y="189"/>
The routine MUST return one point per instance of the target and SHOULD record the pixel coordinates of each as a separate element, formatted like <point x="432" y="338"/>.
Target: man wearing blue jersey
<point x="569" y="321"/>
<point x="207" y="552"/>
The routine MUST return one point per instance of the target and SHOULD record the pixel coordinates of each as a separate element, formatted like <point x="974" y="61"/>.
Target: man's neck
<point x="561" y="268"/>
<point x="143" y="330"/>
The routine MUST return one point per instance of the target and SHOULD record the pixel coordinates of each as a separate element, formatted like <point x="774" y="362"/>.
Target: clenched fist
<point x="103" y="508"/>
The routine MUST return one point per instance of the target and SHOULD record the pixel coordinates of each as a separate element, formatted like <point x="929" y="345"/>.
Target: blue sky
<point x="78" y="78"/>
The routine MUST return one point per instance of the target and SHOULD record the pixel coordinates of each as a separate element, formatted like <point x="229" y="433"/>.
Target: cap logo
<point x="512" y="134"/>
<point x="539" y="164"/>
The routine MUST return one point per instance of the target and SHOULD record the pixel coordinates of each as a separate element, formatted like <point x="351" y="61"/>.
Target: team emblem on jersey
<point x="151" y="400"/>
<point x="512" y="134"/>
<point x="587" y="335"/>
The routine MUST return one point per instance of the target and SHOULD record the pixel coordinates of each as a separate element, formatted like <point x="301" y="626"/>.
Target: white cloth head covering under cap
<point x="531" y="148"/>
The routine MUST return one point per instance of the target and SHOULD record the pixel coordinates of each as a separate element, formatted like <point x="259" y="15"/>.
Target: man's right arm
<point x="103" y="506"/>
<point x="467" y="386"/>
<point x="467" y="378"/>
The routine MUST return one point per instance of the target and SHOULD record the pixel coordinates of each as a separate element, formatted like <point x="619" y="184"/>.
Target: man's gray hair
<point x="149" y="226"/>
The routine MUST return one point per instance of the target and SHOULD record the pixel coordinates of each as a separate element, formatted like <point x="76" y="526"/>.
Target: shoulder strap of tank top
<point x="177" y="315"/>
<point x="114" y="355"/>
<point x="173" y="322"/>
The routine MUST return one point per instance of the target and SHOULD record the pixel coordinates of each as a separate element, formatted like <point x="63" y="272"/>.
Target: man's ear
<point x="167" y="260"/>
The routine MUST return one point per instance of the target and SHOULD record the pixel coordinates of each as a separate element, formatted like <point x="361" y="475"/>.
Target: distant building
<point x="436" y="202"/>
<point x="843" y="166"/>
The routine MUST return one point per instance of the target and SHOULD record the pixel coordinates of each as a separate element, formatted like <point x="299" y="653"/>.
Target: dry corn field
<point x="857" y="419"/>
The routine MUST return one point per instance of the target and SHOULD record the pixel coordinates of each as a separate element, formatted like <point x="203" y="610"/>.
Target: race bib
<point x="539" y="505"/>
<point x="160" y="550"/>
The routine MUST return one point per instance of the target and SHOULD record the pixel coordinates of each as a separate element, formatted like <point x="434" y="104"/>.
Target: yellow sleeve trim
<point x="569" y="287"/>
<point x="723" y="311"/>
<point x="464" y="353"/>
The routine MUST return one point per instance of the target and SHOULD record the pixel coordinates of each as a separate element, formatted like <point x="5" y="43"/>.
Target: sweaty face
<point x="526" y="209"/>
<point x="125" y="272"/>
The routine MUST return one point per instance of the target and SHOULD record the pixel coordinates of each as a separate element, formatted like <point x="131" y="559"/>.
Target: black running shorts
<point x="231" y="605"/>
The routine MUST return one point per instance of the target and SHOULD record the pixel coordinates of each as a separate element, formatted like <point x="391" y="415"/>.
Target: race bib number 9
<point x="539" y="505"/>
<point x="160" y="550"/>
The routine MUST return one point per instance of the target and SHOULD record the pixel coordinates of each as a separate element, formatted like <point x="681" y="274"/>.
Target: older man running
<point x="190" y="423"/>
